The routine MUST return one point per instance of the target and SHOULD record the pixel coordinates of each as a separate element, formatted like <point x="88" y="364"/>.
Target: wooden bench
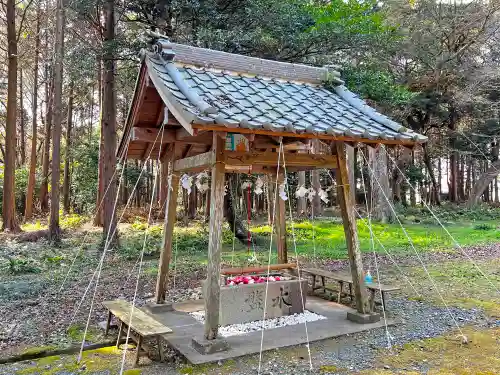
<point x="142" y="324"/>
<point x="343" y="278"/>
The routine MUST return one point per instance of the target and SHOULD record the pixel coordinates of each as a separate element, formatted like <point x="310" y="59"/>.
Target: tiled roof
<point x="208" y="95"/>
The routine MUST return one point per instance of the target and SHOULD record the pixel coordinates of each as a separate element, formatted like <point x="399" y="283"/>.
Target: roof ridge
<point x="204" y="57"/>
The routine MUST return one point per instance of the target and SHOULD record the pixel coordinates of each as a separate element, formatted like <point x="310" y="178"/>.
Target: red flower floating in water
<point x="237" y="280"/>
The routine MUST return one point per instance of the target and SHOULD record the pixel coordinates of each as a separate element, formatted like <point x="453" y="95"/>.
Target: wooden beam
<point x="152" y="135"/>
<point x="195" y="163"/>
<point x="188" y="150"/>
<point x="281" y="221"/>
<point x="147" y="151"/>
<point x="351" y="233"/>
<point x="253" y="158"/>
<point x="351" y="166"/>
<point x="327" y="137"/>
<point x="212" y="284"/>
<point x="168" y="230"/>
<point x="163" y="181"/>
<point x="161" y="114"/>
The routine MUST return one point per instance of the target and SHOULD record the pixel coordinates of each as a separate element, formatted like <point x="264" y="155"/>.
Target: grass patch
<point x="132" y="372"/>
<point x="329" y="239"/>
<point x="446" y="355"/>
<point x="93" y="361"/>
<point x="209" y="368"/>
<point x="72" y="221"/>
<point x="38" y="350"/>
<point x="33" y="226"/>
<point x="461" y="284"/>
<point x="75" y="333"/>
<point x="324" y="239"/>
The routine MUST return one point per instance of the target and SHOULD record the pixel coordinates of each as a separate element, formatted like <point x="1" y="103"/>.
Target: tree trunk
<point x="44" y="186"/>
<point x="453" y="193"/>
<point x="269" y="199"/>
<point x="137" y="190"/>
<point x="381" y="209"/>
<point x="495" y="150"/>
<point x="207" y="205"/>
<point x="28" y="213"/>
<point x="461" y="179"/>
<point x="301" y="201"/>
<point x="497" y="198"/>
<point x="440" y="176"/>
<point x="192" y="202"/>
<point x="125" y="184"/>
<point x="435" y="188"/>
<point x="109" y="123"/>
<point x="468" y="181"/>
<point x="98" y="218"/>
<point x="54" y="228"/>
<point x="235" y="223"/>
<point x="486" y="193"/>
<point x="316" y="184"/>
<point x="413" y="195"/>
<point x="67" y="156"/>
<point x="483" y="183"/>
<point x="9" y="199"/>
<point x="21" y="119"/>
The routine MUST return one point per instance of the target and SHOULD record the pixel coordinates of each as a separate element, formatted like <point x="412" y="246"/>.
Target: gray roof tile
<point x="259" y="102"/>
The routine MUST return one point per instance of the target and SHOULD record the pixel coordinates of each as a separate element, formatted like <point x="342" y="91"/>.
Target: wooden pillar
<point x="163" y="183"/>
<point x="280" y="222"/>
<point x="351" y="233"/>
<point x="212" y="283"/>
<point x="351" y="167"/>
<point x="168" y="231"/>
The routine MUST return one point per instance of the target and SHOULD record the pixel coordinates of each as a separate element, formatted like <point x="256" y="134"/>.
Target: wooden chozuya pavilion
<point x="201" y="95"/>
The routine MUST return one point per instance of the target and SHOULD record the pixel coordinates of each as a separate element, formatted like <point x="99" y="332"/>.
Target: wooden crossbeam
<point x="147" y="151"/>
<point x="148" y="134"/>
<point x="258" y="162"/>
<point x="253" y="158"/>
<point x="152" y="135"/>
<point x="195" y="163"/>
<point x="326" y="137"/>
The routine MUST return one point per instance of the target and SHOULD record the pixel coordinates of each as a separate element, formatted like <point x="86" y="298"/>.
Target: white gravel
<point x="259" y="325"/>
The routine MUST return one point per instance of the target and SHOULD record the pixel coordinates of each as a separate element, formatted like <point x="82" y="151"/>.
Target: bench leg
<point x="120" y="331"/>
<point x="341" y="284"/>
<point x="372" y="300"/>
<point x="350" y="291"/>
<point x="138" y="351"/>
<point x="323" y="283"/>
<point x="160" y="352"/>
<point x="383" y="301"/>
<point x="313" y="283"/>
<point x="108" y="323"/>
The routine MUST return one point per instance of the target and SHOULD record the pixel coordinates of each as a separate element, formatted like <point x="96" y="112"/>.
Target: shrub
<point x="484" y="226"/>
<point x="72" y="221"/>
<point x="20" y="265"/>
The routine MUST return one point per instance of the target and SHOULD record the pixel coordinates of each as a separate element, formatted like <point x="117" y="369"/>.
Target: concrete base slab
<point x="204" y="346"/>
<point x="157" y="308"/>
<point x="359" y="318"/>
<point x="186" y="327"/>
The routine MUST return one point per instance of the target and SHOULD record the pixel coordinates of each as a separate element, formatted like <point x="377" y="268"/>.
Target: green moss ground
<point x="446" y="355"/>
